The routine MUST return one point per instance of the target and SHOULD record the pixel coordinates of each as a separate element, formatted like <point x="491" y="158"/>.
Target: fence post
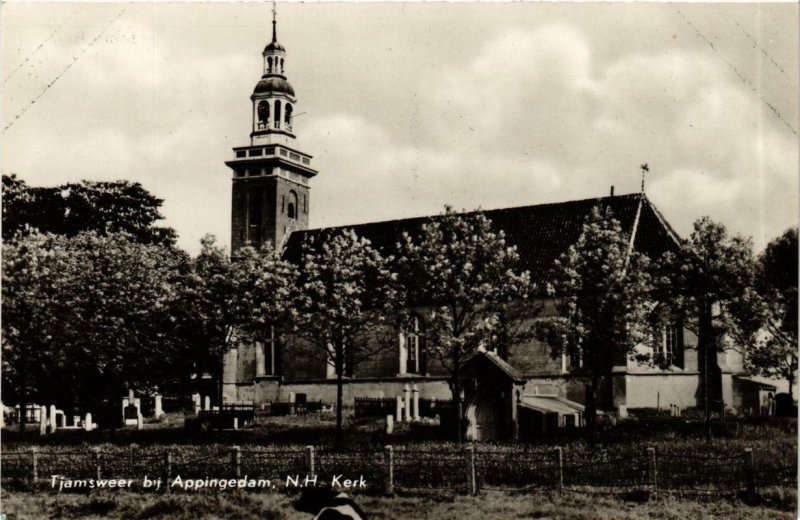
<point x="389" y="454"/>
<point x="472" y="488"/>
<point x="236" y="461"/>
<point x="34" y="464"/>
<point x="749" y="472"/>
<point x="167" y="469"/>
<point x="310" y="456"/>
<point x="560" y="469"/>
<point x="98" y="461"/>
<point x="651" y="459"/>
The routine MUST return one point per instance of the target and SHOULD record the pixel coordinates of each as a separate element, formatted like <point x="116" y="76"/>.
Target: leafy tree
<point x="603" y="294"/>
<point x="462" y="268"/>
<point x="87" y="316"/>
<point x="347" y="296"/>
<point x="72" y="208"/>
<point x="227" y="300"/>
<point x="709" y="281"/>
<point x="773" y="353"/>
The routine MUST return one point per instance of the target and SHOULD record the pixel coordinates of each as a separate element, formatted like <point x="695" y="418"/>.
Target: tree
<point x="709" y="281"/>
<point x="462" y="268"/>
<point x="86" y="316"/>
<point x="773" y="353"/>
<point x="602" y="288"/>
<point x="347" y="298"/>
<point x="228" y="300"/>
<point x="72" y="208"/>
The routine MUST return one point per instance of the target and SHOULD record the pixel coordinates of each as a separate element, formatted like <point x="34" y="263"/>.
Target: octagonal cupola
<point x="273" y="97"/>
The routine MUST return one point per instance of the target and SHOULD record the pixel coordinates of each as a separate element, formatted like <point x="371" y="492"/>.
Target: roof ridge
<point x="484" y="211"/>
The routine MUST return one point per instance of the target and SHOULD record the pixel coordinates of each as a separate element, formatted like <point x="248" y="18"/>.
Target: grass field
<point x="489" y="505"/>
<point x="774" y="444"/>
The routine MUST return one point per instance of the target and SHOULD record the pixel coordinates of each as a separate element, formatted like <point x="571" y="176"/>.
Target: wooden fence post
<point x="167" y="469"/>
<point x="559" y="469"/>
<point x="749" y="472"/>
<point x="653" y="470"/>
<point x="34" y="464"/>
<point x="236" y="461"/>
<point x="472" y="487"/>
<point x="98" y="461"/>
<point x="389" y="454"/>
<point x="310" y="456"/>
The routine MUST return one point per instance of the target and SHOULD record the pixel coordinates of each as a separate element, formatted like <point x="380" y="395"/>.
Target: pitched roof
<point x="541" y="233"/>
<point x="495" y="361"/>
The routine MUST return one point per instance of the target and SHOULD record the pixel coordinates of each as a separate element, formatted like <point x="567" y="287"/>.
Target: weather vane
<point x="645" y="168"/>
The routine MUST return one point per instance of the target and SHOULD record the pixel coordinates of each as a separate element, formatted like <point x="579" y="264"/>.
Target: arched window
<point x="287" y="119"/>
<point x="263" y="115"/>
<point x="277" y="114"/>
<point x="281" y="65"/>
<point x="269" y="64"/>
<point x="671" y="351"/>
<point x="414" y="347"/>
<point x="291" y="210"/>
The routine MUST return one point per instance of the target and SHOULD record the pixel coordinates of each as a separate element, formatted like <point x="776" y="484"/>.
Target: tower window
<point x="292" y="209"/>
<point x="277" y="114"/>
<point x="269" y="64"/>
<point x="254" y="216"/>
<point x="263" y="115"/>
<point x="281" y="65"/>
<point x="288" y="116"/>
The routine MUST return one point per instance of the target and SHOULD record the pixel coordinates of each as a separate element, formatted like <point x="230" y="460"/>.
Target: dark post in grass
<point x="167" y="469"/>
<point x="310" y="457"/>
<point x="559" y="469"/>
<point x="34" y="464"/>
<point x="236" y="461"/>
<point x="98" y="461"/>
<point x="749" y="472"/>
<point x="389" y="454"/>
<point x="651" y="458"/>
<point x="472" y="488"/>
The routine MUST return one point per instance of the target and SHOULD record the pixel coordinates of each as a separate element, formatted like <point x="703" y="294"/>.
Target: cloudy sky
<point x="407" y="107"/>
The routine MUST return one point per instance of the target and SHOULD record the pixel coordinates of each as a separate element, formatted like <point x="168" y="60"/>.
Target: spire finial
<point x="645" y="168"/>
<point x="274" y="23"/>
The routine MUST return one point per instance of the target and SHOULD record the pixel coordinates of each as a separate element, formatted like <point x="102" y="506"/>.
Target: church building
<point x="271" y="182"/>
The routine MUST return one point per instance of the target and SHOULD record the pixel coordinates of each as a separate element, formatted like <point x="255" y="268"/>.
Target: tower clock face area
<point x="271" y="177"/>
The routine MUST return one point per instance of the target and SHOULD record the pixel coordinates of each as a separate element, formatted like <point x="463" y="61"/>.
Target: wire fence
<point x="467" y="469"/>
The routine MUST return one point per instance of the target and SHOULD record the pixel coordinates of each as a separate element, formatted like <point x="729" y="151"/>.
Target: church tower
<point x="270" y="176"/>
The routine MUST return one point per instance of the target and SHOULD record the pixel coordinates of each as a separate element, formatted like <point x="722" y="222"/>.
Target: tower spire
<point x="274" y="23"/>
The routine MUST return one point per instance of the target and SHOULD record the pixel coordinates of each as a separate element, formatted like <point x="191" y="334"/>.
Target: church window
<point x="271" y="346"/>
<point x="412" y="348"/>
<point x="287" y="119"/>
<point x="671" y="345"/>
<point x="277" y="114"/>
<point x="281" y="65"/>
<point x="269" y="64"/>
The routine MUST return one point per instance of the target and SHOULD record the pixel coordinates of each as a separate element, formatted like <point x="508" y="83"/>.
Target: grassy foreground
<point x="489" y="505"/>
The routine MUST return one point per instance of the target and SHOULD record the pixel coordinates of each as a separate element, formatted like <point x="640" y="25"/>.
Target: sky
<point x="408" y="107"/>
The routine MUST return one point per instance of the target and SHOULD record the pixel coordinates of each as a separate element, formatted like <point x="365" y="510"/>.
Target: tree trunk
<point x="704" y="342"/>
<point x="339" y="392"/>
<point x="23" y="404"/>
<point x="591" y="409"/>
<point x="458" y="407"/>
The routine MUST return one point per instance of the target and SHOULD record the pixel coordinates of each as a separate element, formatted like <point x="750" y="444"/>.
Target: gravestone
<point x="131" y="415"/>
